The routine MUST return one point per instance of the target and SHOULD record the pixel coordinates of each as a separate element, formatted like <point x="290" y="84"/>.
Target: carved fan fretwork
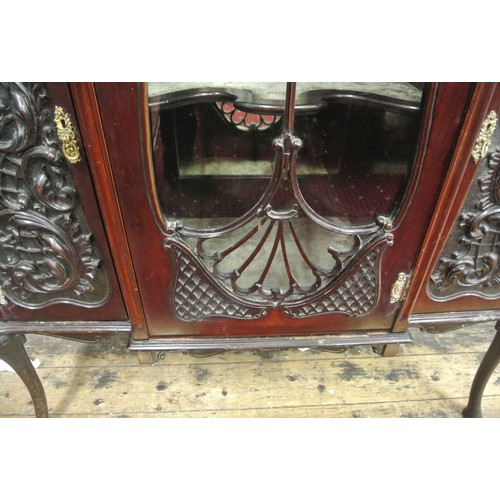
<point x="280" y="253"/>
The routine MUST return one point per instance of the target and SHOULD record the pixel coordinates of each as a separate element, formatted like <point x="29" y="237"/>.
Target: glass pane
<point x="359" y="144"/>
<point x="212" y="145"/>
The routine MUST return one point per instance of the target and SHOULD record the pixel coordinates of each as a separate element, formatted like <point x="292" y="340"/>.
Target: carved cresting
<point x="469" y="264"/>
<point x="47" y="255"/>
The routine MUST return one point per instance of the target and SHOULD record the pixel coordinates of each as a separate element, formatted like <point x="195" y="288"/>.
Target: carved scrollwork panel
<point x="470" y="261"/>
<point x="284" y="257"/>
<point x="47" y="252"/>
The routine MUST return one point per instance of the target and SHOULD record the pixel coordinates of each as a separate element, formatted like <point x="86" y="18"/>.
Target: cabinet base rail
<point x="278" y="342"/>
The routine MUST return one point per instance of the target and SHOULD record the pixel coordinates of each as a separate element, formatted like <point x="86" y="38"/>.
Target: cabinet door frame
<point x="455" y="189"/>
<point x="123" y="109"/>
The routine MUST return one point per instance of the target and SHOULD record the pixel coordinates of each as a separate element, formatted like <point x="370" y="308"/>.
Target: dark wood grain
<point x="93" y="135"/>
<point x="459" y="177"/>
<point x="131" y="160"/>
<point x="86" y="211"/>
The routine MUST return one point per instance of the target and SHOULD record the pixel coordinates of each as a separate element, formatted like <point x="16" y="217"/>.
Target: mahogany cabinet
<point x="231" y="216"/>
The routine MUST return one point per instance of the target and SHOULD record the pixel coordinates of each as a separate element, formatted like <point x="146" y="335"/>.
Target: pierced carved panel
<point x="47" y="253"/>
<point x="198" y="296"/>
<point x="279" y="254"/>
<point x="355" y="294"/>
<point x="243" y="269"/>
<point x="470" y="262"/>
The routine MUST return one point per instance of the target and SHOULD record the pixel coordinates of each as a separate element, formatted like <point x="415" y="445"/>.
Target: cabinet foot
<point x="145" y="357"/>
<point x="484" y="372"/>
<point x="13" y="353"/>
<point x="386" y="350"/>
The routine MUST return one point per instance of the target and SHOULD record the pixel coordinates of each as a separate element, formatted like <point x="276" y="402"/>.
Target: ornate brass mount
<point x="398" y="288"/>
<point x="485" y="136"/>
<point x="66" y="135"/>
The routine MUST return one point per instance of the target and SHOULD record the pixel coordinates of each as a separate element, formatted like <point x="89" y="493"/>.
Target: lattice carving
<point x="355" y="294"/>
<point x="47" y="255"/>
<point x="470" y="262"/>
<point x="245" y="267"/>
<point x="196" y="296"/>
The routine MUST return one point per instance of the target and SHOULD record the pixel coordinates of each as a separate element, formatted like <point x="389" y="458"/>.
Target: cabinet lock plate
<point x="66" y="135"/>
<point x="485" y="137"/>
<point x="398" y="288"/>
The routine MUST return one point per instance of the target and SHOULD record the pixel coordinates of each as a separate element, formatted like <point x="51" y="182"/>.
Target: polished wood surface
<point x="117" y="187"/>
<point x="93" y="136"/>
<point x="455" y="188"/>
<point x="131" y="160"/>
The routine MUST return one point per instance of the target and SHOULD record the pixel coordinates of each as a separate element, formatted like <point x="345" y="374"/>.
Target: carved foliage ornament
<point x="470" y="262"/>
<point x="46" y="251"/>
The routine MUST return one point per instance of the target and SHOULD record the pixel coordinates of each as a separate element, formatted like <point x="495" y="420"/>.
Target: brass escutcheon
<point x="484" y="137"/>
<point x="66" y="135"/>
<point x="398" y="288"/>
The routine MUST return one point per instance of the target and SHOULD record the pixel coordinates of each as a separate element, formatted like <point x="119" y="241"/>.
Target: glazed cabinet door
<point x="277" y="209"/>
<point x="54" y="258"/>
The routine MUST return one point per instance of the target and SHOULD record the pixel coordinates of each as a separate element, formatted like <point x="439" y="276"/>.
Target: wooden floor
<point x="429" y="378"/>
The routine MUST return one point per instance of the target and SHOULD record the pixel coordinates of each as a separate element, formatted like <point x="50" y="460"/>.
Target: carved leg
<point x="484" y="372"/>
<point x="386" y="350"/>
<point x="13" y="353"/>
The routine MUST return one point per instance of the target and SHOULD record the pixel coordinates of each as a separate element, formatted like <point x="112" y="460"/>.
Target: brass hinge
<point x="66" y="135"/>
<point x="399" y="287"/>
<point x="485" y="137"/>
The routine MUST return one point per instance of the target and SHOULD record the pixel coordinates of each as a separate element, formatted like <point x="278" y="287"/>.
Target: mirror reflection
<point x="359" y="143"/>
<point x="212" y="143"/>
<point x="213" y="154"/>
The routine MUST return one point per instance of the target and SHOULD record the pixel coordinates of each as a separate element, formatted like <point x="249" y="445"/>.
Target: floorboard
<point x="428" y="379"/>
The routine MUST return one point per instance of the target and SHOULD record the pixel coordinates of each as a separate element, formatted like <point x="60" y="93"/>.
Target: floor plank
<point x="428" y="379"/>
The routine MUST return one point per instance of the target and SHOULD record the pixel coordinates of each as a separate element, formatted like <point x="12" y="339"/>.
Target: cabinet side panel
<point x="89" y="118"/>
<point x="54" y="262"/>
<point x="462" y="257"/>
<point x="469" y="264"/>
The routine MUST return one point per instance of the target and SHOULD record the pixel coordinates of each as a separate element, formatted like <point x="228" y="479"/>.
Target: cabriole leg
<point x="386" y="350"/>
<point x="484" y="372"/>
<point x="13" y="353"/>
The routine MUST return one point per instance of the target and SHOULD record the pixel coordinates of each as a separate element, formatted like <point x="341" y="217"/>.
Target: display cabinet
<point x="247" y="215"/>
